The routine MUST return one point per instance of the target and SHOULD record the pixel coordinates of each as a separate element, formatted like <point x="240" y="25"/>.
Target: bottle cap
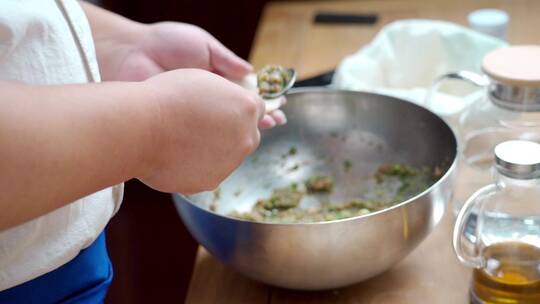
<point x="515" y="65"/>
<point x="515" y="77"/>
<point x="490" y="21"/>
<point x="518" y="159"/>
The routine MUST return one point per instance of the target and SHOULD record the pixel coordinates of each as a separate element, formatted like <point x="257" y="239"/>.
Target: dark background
<point x="151" y="250"/>
<point x="233" y="22"/>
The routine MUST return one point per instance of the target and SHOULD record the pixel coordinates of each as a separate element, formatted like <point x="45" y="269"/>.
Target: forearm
<point x="60" y="143"/>
<point x="113" y="34"/>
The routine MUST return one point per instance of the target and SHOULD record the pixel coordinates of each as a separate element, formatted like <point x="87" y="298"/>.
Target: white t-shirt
<point x="50" y="42"/>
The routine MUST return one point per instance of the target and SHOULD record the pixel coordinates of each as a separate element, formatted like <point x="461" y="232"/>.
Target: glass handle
<point x="471" y="77"/>
<point x="460" y="226"/>
<point x="467" y="76"/>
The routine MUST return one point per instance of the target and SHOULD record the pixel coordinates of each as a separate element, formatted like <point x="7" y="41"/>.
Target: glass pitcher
<point x="497" y="231"/>
<point x="509" y="108"/>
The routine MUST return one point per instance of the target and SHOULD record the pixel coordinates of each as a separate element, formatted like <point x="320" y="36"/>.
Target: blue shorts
<point x="85" y="279"/>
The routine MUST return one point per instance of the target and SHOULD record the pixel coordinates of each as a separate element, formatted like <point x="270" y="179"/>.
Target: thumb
<point x="226" y="63"/>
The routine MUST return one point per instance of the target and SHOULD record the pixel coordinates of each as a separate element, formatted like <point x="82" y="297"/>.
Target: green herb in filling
<point x="282" y="198"/>
<point x="347" y="165"/>
<point x="319" y="184"/>
<point x="292" y="151"/>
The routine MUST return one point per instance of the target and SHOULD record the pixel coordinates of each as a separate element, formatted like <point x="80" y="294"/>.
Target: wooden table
<point x="286" y="35"/>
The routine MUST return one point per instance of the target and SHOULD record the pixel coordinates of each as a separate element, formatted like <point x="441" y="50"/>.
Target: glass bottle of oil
<point x="497" y="231"/>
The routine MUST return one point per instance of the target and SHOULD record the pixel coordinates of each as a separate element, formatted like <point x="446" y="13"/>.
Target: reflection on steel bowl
<point x="346" y="135"/>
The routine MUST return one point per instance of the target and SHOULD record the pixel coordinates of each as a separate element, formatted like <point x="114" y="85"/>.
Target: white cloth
<point x="50" y="42"/>
<point x="406" y="57"/>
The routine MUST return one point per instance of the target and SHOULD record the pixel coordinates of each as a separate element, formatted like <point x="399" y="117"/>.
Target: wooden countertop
<point x="286" y="35"/>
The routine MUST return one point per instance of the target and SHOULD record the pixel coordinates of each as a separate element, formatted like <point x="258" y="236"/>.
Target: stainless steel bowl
<point x="327" y="127"/>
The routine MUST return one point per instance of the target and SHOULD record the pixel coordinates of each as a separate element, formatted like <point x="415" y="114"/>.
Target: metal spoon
<point x="291" y="80"/>
<point x="273" y="101"/>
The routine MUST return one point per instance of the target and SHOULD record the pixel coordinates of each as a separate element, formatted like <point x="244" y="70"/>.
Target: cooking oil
<point x="511" y="275"/>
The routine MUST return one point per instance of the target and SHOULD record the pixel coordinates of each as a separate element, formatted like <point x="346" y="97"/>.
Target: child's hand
<point x="165" y="46"/>
<point x="205" y="127"/>
<point x="143" y="51"/>
<point x="180" y="131"/>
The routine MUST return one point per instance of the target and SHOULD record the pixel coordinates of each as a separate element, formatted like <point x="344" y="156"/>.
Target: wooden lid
<point x="515" y="65"/>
